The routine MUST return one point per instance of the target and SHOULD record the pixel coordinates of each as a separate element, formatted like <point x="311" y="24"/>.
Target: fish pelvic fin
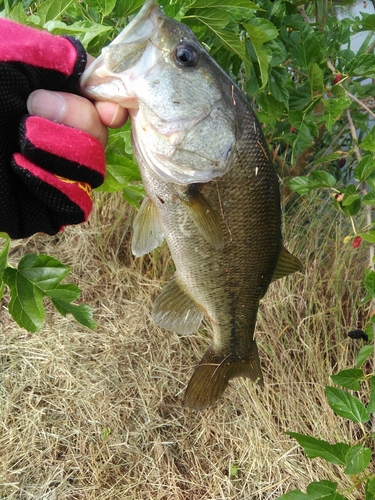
<point x="147" y="229"/>
<point x="213" y="373"/>
<point x="204" y="217"/>
<point x="175" y="310"/>
<point x="286" y="264"/>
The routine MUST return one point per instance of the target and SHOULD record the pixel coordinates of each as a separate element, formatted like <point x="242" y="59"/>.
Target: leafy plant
<point x="37" y="277"/>
<point x="354" y="459"/>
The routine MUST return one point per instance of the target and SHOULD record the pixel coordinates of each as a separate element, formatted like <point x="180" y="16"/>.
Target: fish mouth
<point x="104" y="79"/>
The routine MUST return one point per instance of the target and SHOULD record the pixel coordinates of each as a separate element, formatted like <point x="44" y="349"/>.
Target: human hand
<point x="47" y="168"/>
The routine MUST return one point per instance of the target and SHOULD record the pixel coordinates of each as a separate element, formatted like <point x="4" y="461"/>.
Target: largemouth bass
<point x="212" y="191"/>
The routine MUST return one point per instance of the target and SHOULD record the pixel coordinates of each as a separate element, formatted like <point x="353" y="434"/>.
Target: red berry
<point x="337" y="79"/>
<point x="341" y="162"/>
<point x="356" y="242"/>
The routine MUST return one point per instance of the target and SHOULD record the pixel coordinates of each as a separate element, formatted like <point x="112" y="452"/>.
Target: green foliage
<point x="322" y="490"/>
<point x="354" y="460"/>
<point x="122" y="172"/>
<point x="36" y="277"/>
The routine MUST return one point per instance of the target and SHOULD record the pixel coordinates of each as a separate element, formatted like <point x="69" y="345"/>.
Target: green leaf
<point x="333" y="109"/>
<point x="329" y="158"/>
<point x="368" y="143"/>
<point x="324" y="179"/>
<point x="364" y="354"/>
<point x="4" y="253"/>
<point x="233" y="470"/>
<point x="315" y="76"/>
<point x="130" y="7"/>
<point x="302" y="184"/>
<point x="370" y="489"/>
<point x="322" y="490"/>
<point x="317" y="180"/>
<point x="351" y="203"/>
<point x="81" y="313"/>
<point x="358" y="459"/>
<point x="85" y="31"/>
<point x="333" y="453"/>
<point x="134" y="194"/>
<point x="369" y="199"/>
<point x="349" y="378"/>
<point x="300" y="97"/>
<point x="347" y="406"/>
<point x="366" y="23"/>
<point x="277" y="84"/>
<point x="122" y="170"/>
<point x="349" y="199"/>
<point x="224" y="4"/>
<point x="369" y="236"/>
<point x="365" y="167"/>
<point x="362" y="65"/>
<point x="106" y="432"/>
<point x="263" y="57"/>
<point x="216" y="21"/>
<point x="36" y="277"/>
<point x="370" y="281"/>
<point x="272" y="109"/>
<point x="306" y="131"/>
<point x="309" y="46"/>
<point x="108" y="6"/>
<point x="371" y="404"/>
<point x="51" y="10"/>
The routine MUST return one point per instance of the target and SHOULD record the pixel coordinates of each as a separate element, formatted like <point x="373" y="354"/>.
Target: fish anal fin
<point x="203" y="216"/>
<point x="148" y="232"/>
<point x="213" y="373"/>
<point x="286" y="264"/>
<point x="175" y="310"/>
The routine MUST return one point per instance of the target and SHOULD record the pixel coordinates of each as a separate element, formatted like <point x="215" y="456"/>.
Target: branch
<point x="353" y="133"/>
<point x="358" y="101"/>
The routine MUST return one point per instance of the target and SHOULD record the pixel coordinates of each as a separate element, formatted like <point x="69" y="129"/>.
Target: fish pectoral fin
<point x="213" y="373"/>
<point x="286" y="264"/>
<point x="175" y="310"/>
<point x="203" y="216"/>
<point x="148" y="232"/>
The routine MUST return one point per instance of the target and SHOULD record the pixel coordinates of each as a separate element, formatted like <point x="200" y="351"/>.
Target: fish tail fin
<point x="213" y="373"/>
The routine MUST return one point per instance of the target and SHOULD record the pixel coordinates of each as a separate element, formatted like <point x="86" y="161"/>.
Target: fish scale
<point x="212" y="191"/>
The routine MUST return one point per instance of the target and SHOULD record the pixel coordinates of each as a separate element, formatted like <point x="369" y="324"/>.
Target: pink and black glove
<point x="47" y="170"/>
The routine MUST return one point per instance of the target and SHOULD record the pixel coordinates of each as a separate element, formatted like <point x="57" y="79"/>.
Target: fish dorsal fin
<point x="286" y="264"/>
<point x="148" y="232"/>
<point x="203" y="216"/>
<point x="175" y="310"/>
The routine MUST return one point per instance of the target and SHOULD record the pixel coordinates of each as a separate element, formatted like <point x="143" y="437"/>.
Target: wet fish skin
<point x="212" y="193"/>
<point x="226" y="284"/>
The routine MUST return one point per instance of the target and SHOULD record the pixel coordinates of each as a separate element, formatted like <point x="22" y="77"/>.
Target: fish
<point x="211" y="191"/>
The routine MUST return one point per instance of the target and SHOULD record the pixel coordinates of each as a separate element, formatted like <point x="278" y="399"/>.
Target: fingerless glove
<point x="47" y="170"/>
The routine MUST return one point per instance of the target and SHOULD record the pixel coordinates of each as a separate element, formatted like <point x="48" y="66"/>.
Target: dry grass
<point x="97" y="414"/>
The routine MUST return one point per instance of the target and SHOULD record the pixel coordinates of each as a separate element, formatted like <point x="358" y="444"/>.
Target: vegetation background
<point x="96" y="414"/>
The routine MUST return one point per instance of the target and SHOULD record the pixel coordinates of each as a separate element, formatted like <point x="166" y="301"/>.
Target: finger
<point x="68" y="109"/>
<point x="111" y="114"/>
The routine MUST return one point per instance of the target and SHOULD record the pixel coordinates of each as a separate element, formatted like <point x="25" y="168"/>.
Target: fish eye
<point x="186" y="54"/>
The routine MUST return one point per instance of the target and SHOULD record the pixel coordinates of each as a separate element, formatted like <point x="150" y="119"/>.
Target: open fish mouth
<point x="104" y="77"/>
